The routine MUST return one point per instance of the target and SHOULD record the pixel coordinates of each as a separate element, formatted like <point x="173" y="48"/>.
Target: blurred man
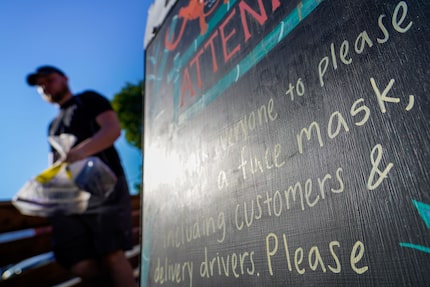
<point x="91" y="244"/>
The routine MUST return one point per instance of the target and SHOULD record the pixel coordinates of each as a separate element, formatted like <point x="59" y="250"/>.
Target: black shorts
<point x="97" y="233"/>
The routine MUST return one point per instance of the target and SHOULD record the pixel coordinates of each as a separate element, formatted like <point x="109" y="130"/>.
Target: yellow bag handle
<point x="49" y="173"/>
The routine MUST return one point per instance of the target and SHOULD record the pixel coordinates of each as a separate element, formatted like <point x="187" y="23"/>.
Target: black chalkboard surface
<point x="287" y="144"/>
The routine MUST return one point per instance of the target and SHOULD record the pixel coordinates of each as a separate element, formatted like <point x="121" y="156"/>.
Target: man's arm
<point x="109" y="131"/>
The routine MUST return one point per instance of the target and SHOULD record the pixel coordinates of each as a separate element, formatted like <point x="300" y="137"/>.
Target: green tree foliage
<point x="128" y="106"/>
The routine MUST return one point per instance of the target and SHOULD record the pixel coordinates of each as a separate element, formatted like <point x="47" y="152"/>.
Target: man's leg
<point x="92" y="273"/>
<point x="120" y="269"/>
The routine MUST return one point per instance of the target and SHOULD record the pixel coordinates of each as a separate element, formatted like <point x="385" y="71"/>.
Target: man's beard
<point x="59" y="96"/>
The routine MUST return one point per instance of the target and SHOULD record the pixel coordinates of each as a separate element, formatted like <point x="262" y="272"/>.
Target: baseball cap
<point x="42" y="71"/>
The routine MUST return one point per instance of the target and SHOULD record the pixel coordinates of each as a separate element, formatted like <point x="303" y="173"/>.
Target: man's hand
<point x="75" y="154"/>
<point x="105" y="137"/>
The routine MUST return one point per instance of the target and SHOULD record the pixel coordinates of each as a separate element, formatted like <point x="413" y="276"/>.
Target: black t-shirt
<point x="78" y="117"/>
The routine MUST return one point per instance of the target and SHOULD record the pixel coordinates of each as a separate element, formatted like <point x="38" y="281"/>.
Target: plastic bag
<point x="65" y="188"/>
<point x="51" y="192"/>
<point x="93" y="176"/>
<point x="90" y="174"/>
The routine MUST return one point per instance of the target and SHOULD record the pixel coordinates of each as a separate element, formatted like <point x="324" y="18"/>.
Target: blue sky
<point x="97" y="43"/>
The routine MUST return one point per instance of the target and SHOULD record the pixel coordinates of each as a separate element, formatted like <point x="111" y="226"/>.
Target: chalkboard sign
<point x="287" y="144"/>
